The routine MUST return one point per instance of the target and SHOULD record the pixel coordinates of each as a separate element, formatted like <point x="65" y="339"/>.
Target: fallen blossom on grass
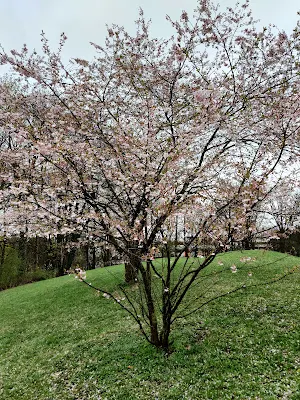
<point x="233" y="269"/>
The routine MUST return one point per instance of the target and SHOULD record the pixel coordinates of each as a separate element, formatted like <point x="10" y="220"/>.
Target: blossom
<point x="233" y="269"/>
<point x="184" y="16"/>
<point x="202" y="95"/>
<point x="247" y="259"/>
<point x="81" y="62"/>
<point x="180" y="57"/>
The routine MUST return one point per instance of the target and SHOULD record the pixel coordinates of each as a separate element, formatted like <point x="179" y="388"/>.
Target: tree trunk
<point x="87" y="256"/>
<point x="22" y="251"/>
<point x="70" y="258"/>
<point x="132" y="265"/>
<point x="164" y="337"/>
<point x="146" y="276"/>
<point x="2" y="254"/>
<point x="94" y="258"/>
<point x="60" y="256"/>
<point x="248" y="243"/>
<point x="36" y="251"/>
<point x="131" y="271"/>
<point x="166" y="315"/>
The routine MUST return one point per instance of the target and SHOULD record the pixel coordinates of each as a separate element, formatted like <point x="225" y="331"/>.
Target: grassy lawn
<point x="59" y="340"/>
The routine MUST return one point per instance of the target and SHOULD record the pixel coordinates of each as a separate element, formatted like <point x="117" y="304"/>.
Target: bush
<point x="12" y="272"/>
<point x="289" y="244"/>
<point x="39" y="275"/>
<point x="9" y="268"/>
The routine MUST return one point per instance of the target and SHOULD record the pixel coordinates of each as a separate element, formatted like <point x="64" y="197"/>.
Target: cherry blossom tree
<point x="114" y="148"/>
<point x="284" y="209"/>
<point x="280" y="212"/>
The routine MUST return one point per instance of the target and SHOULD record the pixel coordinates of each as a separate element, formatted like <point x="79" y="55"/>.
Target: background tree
<point x="281" y="213"/>
<point x="283" y="207"/>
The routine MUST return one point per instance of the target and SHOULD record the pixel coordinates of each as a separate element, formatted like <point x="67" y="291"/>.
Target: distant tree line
<point x="24" y="260"/>
<point x="288" y="243"/>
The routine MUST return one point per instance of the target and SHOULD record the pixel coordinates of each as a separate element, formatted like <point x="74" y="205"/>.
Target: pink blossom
<point x="233" y="269"/>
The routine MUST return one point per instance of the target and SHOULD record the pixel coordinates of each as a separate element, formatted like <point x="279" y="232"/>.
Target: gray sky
<point x="84" y="21"/>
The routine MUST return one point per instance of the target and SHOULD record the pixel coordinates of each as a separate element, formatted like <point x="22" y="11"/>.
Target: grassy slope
<point x="58" y="340"/>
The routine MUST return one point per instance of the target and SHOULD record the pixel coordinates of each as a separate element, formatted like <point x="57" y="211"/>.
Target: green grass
<point x="59" y="340"/>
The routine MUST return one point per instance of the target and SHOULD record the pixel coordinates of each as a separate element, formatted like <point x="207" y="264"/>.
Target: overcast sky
<point x="85" y="21"/>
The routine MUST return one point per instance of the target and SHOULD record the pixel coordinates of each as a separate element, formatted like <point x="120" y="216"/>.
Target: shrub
<point x="9" y="268"/>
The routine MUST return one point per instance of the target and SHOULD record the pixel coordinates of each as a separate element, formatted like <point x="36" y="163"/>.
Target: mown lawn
<point x="59" y="340"/>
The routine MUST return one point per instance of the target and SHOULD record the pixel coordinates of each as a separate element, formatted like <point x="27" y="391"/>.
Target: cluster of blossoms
<point x="115" y="297"/>
<point x="152" y="254"/>
<point x="247" y="259"/>
<point x="233" y="269"/>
